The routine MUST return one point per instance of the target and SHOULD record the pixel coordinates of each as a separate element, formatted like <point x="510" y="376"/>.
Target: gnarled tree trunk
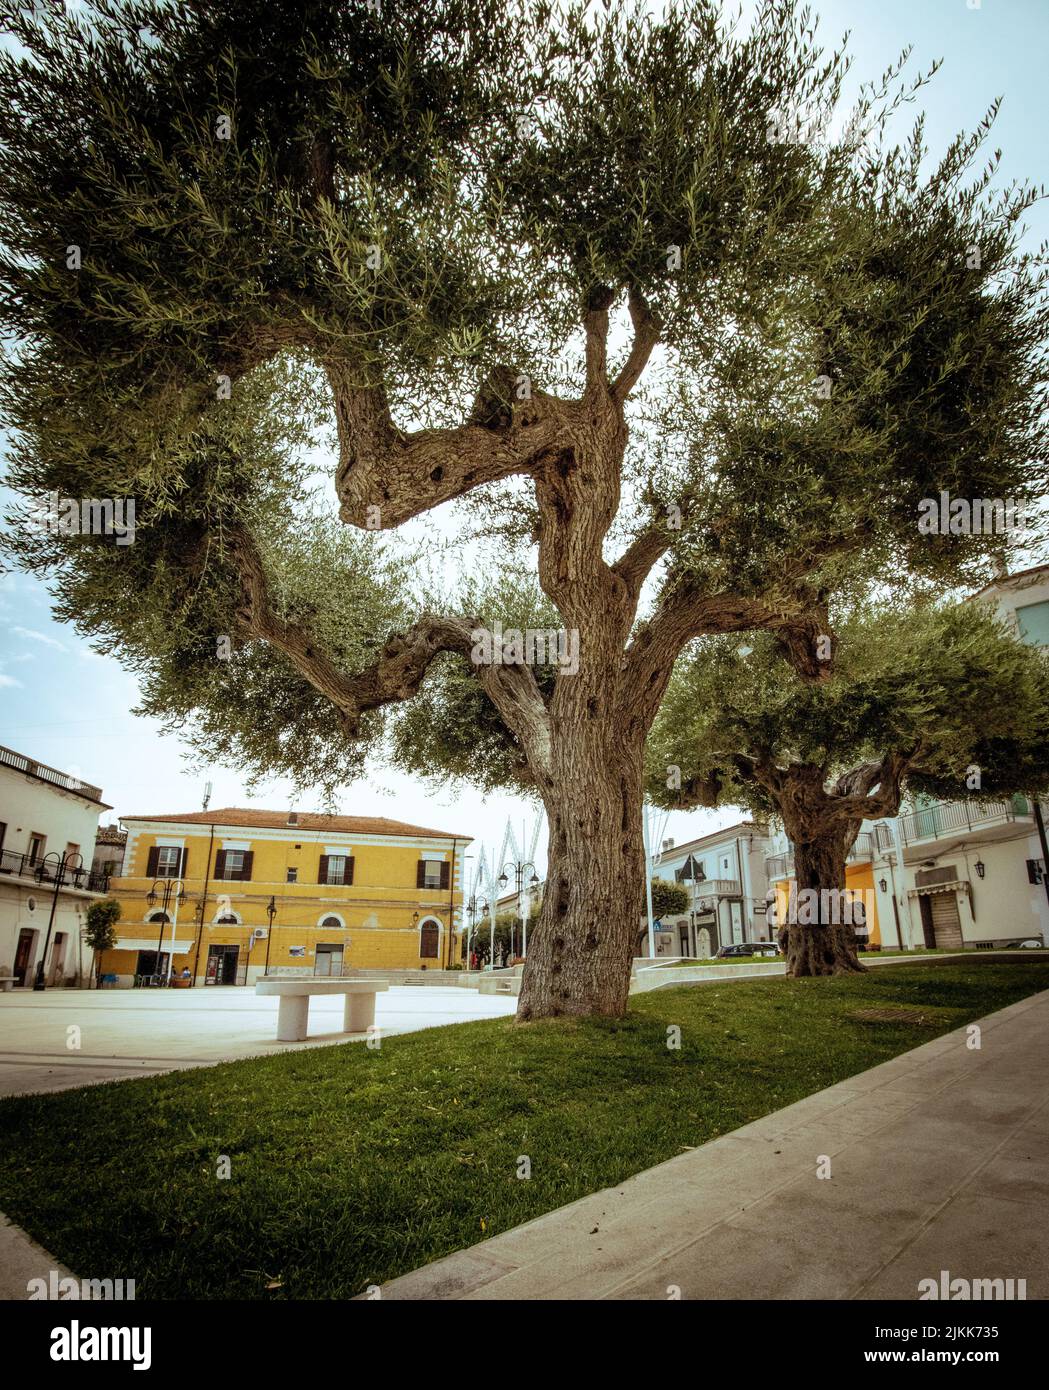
<point x="818" y="935"/>
<point x="581" y="949"/>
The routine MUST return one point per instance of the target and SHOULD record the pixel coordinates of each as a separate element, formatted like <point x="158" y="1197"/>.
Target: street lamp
<point x="474" y="910"/>
<point x="271" y="912"/>
<point x="518" y="867"/>
<point x="61" y="863"/>
<point x="172" y="889"/>
<point x="980" y="867"/>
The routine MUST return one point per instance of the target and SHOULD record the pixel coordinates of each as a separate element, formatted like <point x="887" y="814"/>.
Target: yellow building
<point x="223" y="897"/>
<point x="859" y="885"/>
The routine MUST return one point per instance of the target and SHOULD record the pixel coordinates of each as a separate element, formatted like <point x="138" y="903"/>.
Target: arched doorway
<point x="429" y="939"/>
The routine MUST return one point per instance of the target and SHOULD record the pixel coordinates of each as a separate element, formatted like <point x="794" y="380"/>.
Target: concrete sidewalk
<point x="939" y="1160"/>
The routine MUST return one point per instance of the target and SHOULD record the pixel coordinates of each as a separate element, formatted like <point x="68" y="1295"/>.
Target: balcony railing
<point x="949" y="817"/>
<point x="21" y="763"/>
<point x="717" y="888"/>
<point x="863" y="848"/>
<point x="779" y="865"/>
<point x="21" y="866"/>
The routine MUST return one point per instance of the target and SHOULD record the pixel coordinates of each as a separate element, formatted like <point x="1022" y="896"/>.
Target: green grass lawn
<point x="350" y="1166"/>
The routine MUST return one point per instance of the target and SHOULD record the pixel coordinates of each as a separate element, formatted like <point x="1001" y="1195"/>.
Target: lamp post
<point x="271" y="912"/>
<point x="518" y="867"/>
<point x="60" y="865"/>
<point x="172" y="889"/>
<point x="474" y="910"/>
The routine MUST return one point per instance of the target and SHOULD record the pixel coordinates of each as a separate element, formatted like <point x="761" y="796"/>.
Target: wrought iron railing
<point x="43" y="872"/>
<point x="949" y="817"/>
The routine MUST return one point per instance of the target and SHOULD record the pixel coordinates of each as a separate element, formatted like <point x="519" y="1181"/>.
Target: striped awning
<point x="959" y="884"/>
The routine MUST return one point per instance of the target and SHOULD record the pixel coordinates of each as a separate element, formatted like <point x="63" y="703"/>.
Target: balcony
<point x="43" y="875"/>
<point x="863" y="849"/>
<point x="779" y="865"/>
<point x="9" y="758"/>
<point x="951" y="818"/>
<point x="709" y="890"/>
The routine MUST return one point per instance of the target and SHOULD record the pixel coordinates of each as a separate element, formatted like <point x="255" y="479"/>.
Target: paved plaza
<point x="62" y="1038"/>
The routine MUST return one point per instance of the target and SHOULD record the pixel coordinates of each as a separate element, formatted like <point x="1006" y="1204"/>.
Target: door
<point x="683" y="936"/>
<point x="428" y="940"/>
<point x="928" y="933"/>
<point x="23" y="952"/>
<point x="151" y="967"/>
<point x="946" y="922"/>
<point x="329" y="959"/>
<point x="736" y="917"/>
<point x="222" y="965"/>
<point x="58" y="958"/>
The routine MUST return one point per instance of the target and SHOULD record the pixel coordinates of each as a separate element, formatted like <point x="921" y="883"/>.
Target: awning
<point x="149" y="943"/>
<point x="959" y="885"/>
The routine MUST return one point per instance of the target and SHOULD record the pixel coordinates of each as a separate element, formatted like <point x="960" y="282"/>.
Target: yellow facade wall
<point x="859" y="878"/>
<point x="382" y="909"/>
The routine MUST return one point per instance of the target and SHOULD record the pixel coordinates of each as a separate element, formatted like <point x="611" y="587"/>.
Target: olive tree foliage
<point x="720" y="336"/>
<point x="923" y="699"/>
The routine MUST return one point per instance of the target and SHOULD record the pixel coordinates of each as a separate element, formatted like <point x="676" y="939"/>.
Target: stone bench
<point x="6" y="982"/>
<point x="294" y="1008"/>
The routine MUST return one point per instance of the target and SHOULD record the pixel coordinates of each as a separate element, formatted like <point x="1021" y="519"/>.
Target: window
<point x="72" y="855"/>
<point x="1033" y="621"/>
<point x="36" y="848"/>
<point x="333" y="922"/>
<point x="293" y="875"/>
<point x="226" y="920"/>
<point x="433" y="873"/>
<point x="336" y="869"/>
<point x="233" y="864"/>
<point x="169" y="858"/>
<point x="158" y="917"/>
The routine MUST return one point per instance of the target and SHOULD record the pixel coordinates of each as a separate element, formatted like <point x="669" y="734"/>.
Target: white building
<point x="957" y="874"/>
<point x="724" y="873"/>
<point x="48" y="820"/>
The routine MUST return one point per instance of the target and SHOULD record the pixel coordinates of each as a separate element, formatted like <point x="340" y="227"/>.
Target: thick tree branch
<point x="646" y="336"/>
<point x="399" y="670"/>
<point x="386" y="476"/>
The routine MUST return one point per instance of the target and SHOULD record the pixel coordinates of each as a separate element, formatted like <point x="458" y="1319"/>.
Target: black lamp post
<point x="60" y="865"/>
<point x="518" y="867"/>
<point x="980" y="867"/>
<point x="271" y="912"/>
<point x="475" y="909"/>
<point x="172" y="888"/>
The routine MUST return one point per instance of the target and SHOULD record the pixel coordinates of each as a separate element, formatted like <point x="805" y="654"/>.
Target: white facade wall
<point x="27" y="807"/>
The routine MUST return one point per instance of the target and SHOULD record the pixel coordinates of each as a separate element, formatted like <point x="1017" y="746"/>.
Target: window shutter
<point x="420" y="874"/>
<point x="245" y="873"/>
<point x="349" y="870"/>
<point x="322" y="872"/>
<point x="220" y="863"/>
<point x="182" y="864"/>
<point x="151" y="862"/>
<point x="446" y="870"/>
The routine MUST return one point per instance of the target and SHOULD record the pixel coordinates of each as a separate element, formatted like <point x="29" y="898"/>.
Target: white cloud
<point x="8" y="681"/>
<point x="38" y="637"/>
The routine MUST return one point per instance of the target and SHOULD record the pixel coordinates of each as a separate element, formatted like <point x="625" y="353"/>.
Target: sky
<point x="65" y="705"/>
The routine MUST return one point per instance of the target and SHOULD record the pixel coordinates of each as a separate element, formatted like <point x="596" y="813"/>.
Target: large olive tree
<point x="699" y="337"/>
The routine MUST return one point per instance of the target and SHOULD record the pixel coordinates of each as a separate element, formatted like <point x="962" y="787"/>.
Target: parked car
<point x="748" y="948"/>
<point x="1031" y="943"/>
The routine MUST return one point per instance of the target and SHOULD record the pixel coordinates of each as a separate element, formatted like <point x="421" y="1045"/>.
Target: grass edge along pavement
<point x="349" y="1165"/>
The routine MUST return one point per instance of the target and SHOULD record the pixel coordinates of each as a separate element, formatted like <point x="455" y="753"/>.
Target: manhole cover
<point x="891" y="1016"/>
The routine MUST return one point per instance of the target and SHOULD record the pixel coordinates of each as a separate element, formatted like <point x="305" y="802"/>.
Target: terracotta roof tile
<point x="249" y="819"/>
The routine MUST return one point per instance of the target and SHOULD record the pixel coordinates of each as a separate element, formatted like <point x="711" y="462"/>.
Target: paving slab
<point x="937" y="1160"/>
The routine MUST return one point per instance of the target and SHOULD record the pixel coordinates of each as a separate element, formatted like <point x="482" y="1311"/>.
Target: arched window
<point x="332" y="921"/>
<point x="158" y="917"/>
<point x="227" y="920"/>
